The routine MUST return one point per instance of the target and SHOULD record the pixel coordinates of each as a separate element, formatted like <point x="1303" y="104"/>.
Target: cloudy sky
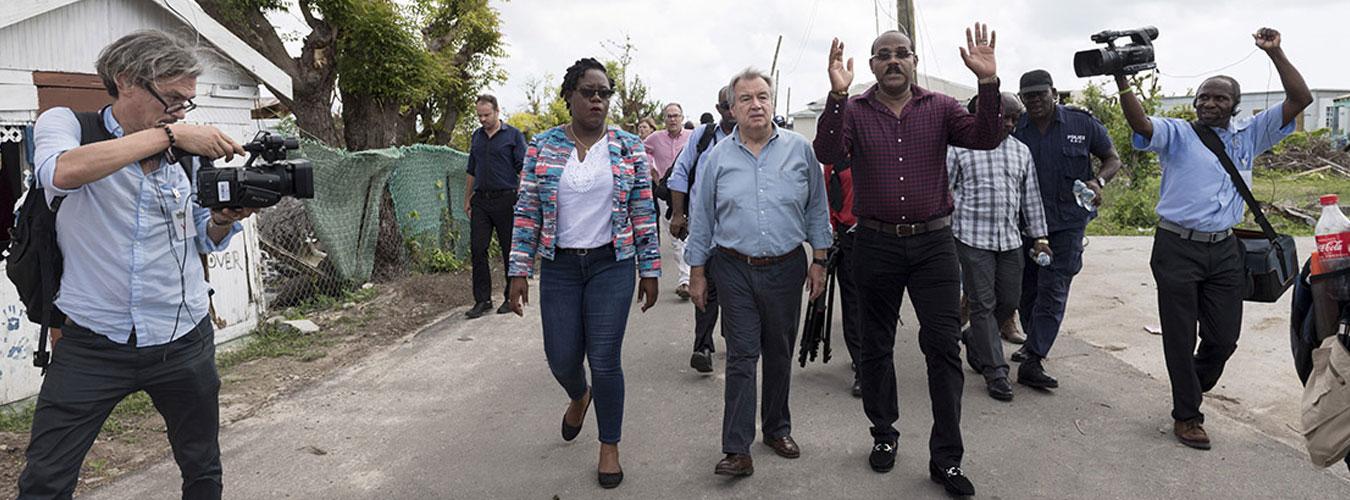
<point x="687" y="49"/>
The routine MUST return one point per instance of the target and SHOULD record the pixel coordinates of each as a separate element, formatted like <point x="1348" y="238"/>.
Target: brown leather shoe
<point x="1009" y="331"/>
<point x="1191" y="433"/>
<point x="735" y="465"/>
<point x="784" y="446"/>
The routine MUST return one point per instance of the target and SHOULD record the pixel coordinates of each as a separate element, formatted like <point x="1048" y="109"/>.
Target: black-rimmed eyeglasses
<point x="185" y="106"/>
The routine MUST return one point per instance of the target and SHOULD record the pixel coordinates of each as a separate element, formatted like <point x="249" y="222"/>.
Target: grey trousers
<point x="993" y="285"/>
<point x="761" y="308"/>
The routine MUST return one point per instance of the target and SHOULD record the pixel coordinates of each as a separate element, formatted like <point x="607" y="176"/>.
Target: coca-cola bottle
<point x="1333" y="246"/>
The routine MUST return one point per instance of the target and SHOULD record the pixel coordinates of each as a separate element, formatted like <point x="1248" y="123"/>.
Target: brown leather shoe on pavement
<point x="1009" y="331"/>
<point x="784" y="446"/>
<point x="1191" y="433"/>
<point x="735" y="465"/>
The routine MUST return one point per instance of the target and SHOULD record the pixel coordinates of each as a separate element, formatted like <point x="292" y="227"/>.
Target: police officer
<point x="1063" y="141"/>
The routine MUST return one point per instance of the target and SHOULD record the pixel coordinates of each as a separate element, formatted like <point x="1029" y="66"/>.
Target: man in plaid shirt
<point x="992" y="191"/>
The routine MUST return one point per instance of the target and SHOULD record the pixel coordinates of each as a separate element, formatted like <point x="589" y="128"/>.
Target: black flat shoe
<point x="952" y="480"/>
<point x="609" y="480"/>
<point x="568" y="432"/>
<point x="882" y="458"/>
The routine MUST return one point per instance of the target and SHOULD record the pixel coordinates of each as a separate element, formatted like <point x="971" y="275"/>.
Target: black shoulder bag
<point x="1271" y="258"/>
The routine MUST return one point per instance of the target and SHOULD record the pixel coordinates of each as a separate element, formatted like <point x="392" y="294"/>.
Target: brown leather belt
<point x="757" y="261"/>
<point x="905" y="229"/>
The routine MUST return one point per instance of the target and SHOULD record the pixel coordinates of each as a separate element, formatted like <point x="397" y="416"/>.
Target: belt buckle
<point x="582" y="251"/>
<point x="904" y="230"/>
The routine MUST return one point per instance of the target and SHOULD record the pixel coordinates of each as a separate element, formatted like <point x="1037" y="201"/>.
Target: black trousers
<point x="493" y="213"/>
<point x="1198" y="284"/>
<point x="848" y="296"/>
<point x="926" y="264"/>
<point x="761" y="310"/>
<point x="706" y="320"/>
<point x="90" y="374"/>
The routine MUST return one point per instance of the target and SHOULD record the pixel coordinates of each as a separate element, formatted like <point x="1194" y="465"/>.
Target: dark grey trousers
<point x="993" y="284"/>
<point x="761" y="307"/>
<point x="90" y="374"/>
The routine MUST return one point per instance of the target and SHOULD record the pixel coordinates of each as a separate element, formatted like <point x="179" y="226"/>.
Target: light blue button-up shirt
<point x="761" y="206"/>
<point x="679" y="179"/>
<point x="1197" y="192"/>
<point x="125" y="265"/>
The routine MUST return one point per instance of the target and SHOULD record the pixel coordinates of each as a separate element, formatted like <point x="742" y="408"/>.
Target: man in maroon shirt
<point x="896" y="135"/>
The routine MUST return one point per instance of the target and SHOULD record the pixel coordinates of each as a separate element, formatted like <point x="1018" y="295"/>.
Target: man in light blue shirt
<point x="695" y="153"/>
<point x="133" y="289"/>
<point x="1196" y="261"/>
<point x="761" y="195"/>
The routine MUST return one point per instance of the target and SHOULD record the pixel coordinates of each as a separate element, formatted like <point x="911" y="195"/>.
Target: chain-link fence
<point x="323" y="247"/>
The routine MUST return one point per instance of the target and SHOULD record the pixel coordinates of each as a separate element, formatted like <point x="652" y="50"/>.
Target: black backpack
<point x="33" y="260"/>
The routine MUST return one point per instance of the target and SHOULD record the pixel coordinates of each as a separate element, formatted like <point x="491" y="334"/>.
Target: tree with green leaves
<point x="630" y="93"/>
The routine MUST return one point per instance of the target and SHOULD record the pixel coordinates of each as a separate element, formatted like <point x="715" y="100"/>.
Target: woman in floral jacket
<point x="585" y="206"/>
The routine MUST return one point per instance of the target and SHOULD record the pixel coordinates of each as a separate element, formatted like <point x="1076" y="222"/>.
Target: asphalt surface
<point x="468" y="409"/>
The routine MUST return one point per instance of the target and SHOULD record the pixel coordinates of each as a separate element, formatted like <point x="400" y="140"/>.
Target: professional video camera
<point x="1112" y="60"/>
<point x="260" y="186"/>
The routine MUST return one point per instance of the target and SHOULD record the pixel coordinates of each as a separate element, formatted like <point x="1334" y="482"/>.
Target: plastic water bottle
<point x="1333" y="246"/>
<point x="1084" y="195"/>
<point x="1042" y="259"/>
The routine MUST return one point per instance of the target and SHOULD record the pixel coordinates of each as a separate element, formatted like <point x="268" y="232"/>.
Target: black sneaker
<point x="1032" y="374"/>
<point x="479" y="310"/>
<point x="701" y="361"/>
<point x="882" y="458"/>
<point x="505" y="308"/>
<point x="952" y="480"/>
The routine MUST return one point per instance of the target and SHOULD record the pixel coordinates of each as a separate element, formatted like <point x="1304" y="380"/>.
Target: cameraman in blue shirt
<point x="1196" y="261"/>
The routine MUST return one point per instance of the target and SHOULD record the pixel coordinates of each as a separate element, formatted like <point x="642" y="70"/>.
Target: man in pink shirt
<point x="664" y="146"/>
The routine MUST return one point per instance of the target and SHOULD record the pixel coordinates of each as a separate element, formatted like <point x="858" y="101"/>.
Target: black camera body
<point x="257" y="186"/>
<point x="1112" y="60"/>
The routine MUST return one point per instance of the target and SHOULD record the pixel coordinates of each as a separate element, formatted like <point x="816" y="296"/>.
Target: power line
<point x="1215" y="70"/>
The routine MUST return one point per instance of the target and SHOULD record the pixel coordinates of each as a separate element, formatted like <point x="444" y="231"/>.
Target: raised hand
<point x="979" y="51"/>
<point x="1267" y="39"/>
<point x="841" y="74"/>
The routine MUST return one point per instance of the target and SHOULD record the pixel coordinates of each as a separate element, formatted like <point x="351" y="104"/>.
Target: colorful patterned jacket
<point x="633" y="217"/>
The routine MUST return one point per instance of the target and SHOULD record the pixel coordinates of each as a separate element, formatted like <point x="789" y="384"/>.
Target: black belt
<point x="757" y="261"/>
<point x="1193" y="235"/>
<point x="906" y="229"/>
<point x="494" y="193"/>
<point x="584" y="251"/>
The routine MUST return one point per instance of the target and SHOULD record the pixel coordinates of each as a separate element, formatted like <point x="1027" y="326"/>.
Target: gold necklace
<point x="577" y="139"/>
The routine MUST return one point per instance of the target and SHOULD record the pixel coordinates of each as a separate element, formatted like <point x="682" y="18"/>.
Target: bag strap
<point x="1212" y="141"/>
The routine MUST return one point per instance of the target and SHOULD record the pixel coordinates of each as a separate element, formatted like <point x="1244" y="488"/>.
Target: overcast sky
<point x="687" y="49"/>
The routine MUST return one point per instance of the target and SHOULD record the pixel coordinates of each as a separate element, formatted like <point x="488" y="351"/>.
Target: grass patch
<point x="17" y="417"/>
<point x="273" y="340"/>
<point x="327" y="302"/>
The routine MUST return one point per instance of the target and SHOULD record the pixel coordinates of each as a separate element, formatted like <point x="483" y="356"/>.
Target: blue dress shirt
<point x="679" y="179"/>
<point x="126" y="266"/>
<point x="762" y="206"/>
<point x="1197" y="192"/>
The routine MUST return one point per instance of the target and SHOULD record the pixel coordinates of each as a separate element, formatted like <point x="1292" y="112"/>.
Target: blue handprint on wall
<point x="12" y="317"/>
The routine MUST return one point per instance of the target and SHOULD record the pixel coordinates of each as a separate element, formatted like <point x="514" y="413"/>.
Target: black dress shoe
<point x="609" y="480"/>
<point x="882" y="458"/>
<point x="505" y="308"/>
<point x="735" y="465"/>
<point x="952" y="480"/>
<point x="1020" y="355"/>
<point x="1032" y="374"/>
<point x="569" y="432"/>
<point x="479" y="310"/>
<point x="1000" y="389"/>
<point x="701" y="361"/>
<point x="857" y="387"/>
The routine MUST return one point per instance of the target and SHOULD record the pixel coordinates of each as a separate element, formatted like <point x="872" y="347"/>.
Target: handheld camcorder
<point x="1113" y="60"/>
<point x="257" y="186"/>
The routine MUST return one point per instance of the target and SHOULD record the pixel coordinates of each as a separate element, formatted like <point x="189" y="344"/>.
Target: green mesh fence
<point x="345" y="210"/>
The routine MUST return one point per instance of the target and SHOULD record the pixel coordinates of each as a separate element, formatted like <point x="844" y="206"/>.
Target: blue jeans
<point x="584" y="302"/>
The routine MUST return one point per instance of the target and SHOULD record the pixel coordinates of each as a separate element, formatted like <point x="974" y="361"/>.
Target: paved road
<point x="469" y="410"/>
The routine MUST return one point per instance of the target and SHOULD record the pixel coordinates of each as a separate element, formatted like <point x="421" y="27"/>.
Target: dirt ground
<point x="347" y="334"/>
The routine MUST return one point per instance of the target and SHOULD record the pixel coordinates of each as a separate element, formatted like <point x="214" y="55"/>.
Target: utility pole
<point x="904" y="16"/>
<point x="773" y="70"/>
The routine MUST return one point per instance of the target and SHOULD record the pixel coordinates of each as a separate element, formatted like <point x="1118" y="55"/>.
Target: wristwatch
<point x="1101" y="182"/>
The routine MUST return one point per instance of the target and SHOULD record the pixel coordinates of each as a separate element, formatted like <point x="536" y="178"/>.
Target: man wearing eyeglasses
<point x="663" y="147"/>
<point x="683" y="184"/>
<point x="1063" y="140"/>
<point x="133" y="288"/>
<point x="896" y="135"/>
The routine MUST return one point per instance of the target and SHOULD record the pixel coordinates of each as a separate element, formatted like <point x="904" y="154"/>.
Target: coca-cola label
<point x="1333" y="246"/>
